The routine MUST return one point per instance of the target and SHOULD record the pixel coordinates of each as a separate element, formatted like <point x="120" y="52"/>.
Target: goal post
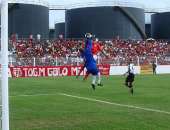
<point x="4" y="64"/>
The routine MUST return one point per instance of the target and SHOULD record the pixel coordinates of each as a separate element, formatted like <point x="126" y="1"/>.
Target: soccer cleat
<point x="93" y="86"/>
<point x="100" y="84"/>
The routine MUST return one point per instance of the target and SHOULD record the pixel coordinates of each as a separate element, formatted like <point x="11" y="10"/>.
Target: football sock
<point x="94" y="80"/>
<point x="99" y="78"/>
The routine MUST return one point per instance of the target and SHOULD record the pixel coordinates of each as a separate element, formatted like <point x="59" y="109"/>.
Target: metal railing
<point x="116" y="61"/>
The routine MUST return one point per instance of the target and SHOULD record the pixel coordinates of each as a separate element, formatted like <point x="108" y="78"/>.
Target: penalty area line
<point x="116" y="104"/>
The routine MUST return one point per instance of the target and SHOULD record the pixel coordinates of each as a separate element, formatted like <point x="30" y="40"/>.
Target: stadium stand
<point x="65" y="51"/>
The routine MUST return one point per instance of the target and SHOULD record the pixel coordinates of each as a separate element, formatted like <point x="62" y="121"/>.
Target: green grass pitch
<point x="36" y="104"/>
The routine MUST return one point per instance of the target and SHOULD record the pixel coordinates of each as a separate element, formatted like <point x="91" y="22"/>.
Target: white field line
<point x="96" y="100"/>
<point x="116" y="104"/>
<point x="33" y="95"/>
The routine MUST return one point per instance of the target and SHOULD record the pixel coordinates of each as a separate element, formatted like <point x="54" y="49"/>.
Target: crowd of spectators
<point x="146" y="51"/>
<point x="116" y="48"/>
<point x="55" y="48"/>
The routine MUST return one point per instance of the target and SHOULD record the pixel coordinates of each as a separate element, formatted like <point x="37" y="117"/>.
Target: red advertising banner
<point x="52" y="71"/>
<point x="104" y="69"/>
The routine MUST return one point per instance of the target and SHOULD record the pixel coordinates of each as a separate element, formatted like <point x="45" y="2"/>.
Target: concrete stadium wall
<point x="163" y="69"/>
<point x="120" y="70"/>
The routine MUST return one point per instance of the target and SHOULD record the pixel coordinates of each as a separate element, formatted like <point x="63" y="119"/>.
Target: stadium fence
<point x="116" y="61"/>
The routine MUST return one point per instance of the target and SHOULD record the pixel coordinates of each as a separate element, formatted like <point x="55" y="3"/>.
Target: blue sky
<point x="58" y="16"/>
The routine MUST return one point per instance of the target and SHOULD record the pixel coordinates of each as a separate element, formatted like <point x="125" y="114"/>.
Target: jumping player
<point x="130" y="77"/>
<point x="90" y="62"/>
<point x="96" y="48"/>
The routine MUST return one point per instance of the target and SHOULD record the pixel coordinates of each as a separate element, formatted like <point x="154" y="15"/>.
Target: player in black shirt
<point x="130" y="77"/>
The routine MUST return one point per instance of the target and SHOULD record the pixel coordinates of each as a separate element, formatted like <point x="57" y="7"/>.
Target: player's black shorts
<point x="130" y="77"/>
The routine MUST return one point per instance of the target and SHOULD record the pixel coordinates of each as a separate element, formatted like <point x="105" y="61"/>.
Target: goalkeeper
<point x="90" y="62"/>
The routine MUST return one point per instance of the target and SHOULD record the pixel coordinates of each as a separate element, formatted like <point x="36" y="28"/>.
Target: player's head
<point x="88" y="35"/>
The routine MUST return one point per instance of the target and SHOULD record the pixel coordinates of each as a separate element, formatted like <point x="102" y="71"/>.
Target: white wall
<point x="163" y="69"/>
<point x="120" y="70"/>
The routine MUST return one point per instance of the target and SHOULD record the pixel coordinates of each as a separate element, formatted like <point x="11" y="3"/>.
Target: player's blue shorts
<point x="93" y="71"/>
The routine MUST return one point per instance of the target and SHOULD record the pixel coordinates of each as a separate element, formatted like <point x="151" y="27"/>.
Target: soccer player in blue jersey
<point x="90" y="62"/>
